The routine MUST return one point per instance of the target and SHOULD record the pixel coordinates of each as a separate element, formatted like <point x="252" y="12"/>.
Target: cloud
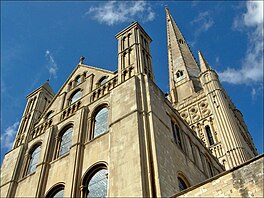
<point x="204" y="21"/>
<point x="251" y="69"/>
<point x="52" y="65"/>
<point x="7" y="138"/>
<point x="113" y="12"/>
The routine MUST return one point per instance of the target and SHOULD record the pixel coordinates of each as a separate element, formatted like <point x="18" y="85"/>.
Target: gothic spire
<point x="203" y="63"/>
<point x="180" y="55"/>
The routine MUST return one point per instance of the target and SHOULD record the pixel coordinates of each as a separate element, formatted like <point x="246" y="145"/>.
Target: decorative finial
<point x="81" y="60"/>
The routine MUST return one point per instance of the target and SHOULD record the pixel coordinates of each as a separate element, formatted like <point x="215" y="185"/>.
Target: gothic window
<point x="56" y="192"/>
<point x="78" y="80"/>
<point x="100" y="122"/>
<point x="33" y="161"/>
<point x="209" y="135"/>
<point x="75" y="96"/>
<point x="182" y="182"/>
<point x="64" y="142"/>
<point x="176" y="134"/>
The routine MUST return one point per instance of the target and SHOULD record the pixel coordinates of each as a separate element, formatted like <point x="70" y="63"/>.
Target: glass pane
<point x="59" y="194"/>
<point x="66" y="140"/>
<point x="97" y="186"/>
<point x="34" y="160"/>
<point x="182" y="184"/>
<point x="101" y="122"/>
<point x="78" y="80"/>
<point x="76" y="97"/>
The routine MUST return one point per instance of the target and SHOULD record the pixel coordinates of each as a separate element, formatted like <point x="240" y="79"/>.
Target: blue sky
<point x="44" y="40"/>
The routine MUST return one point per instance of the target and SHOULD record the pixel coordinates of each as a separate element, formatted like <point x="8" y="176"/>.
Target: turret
<point x="37" y="101"/>
<point x="133" y="52"/>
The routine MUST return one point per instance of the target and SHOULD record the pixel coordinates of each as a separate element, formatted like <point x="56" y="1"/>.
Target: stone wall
<point x="245" y="180"/>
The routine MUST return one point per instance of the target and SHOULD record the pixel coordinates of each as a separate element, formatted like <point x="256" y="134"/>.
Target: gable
<point x="84" y="78"/>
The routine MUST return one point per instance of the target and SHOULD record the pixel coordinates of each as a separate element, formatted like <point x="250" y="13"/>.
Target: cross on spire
<point x="81" y="59"/>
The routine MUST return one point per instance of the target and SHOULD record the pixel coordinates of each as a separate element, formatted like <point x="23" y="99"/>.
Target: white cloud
<point x="251" y="70"/>
<point x="113" y="12"/>
<point x="7" y="138"/>
<point x="204" y="21"/>
<point x="52" y="65"/>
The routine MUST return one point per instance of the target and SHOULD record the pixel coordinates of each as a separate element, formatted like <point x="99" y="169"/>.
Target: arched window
<point x="75" y="96"/>
<point x="78" y="80"/>
<point x="182" y="185"/>
<point x="103" y="80"/>
<point x="64" y="142"/>
<point x="33" y="160"/>
<point x="95" y="182"/>
<point x="48" y="115"/>
<point x="209" y="135"/>
<point x="176" y="134"/>
<point x="100" y="122"/>
<point x="56" y="192"/>
<point x="97" y="186"/>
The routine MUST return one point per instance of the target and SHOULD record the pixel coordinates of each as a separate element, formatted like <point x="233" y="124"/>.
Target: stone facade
<point x="245" y="180"/>
<point x="202" y="102"/>
<point x="119" y="123"/>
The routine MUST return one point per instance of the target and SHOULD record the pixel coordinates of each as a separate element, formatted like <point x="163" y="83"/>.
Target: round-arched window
<point x="97" y="185"/>
<point x="182" y="184"/>
<point x="33" y="161"/>
<point x="76" y="96"/>
<point x="65" y="142"/>
<point x="100" y="122"/>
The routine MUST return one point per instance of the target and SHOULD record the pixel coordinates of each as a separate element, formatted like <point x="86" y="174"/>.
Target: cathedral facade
<point x="116" y="134"/>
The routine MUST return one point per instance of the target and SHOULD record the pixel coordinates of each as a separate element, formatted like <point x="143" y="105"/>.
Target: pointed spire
<point x="203" y="63"/>
<point x="182" y="64"/>
<point x="180" y="55"/>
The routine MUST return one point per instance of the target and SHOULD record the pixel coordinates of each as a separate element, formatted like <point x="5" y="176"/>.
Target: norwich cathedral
<point x="117" y="134"/>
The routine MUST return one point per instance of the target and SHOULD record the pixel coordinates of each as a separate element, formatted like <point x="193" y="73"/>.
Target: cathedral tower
<point x="201" y="100"/>
<point x="134" y="52"/>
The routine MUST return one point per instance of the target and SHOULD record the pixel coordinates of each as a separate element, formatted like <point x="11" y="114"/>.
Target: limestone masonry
<point x="116" y="134"/>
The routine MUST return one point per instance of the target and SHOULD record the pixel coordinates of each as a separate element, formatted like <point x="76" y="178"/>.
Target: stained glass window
<point x="97" y="186"/>
<point x="33" y="160"/>
<point x="101" y="122"/>
<point x="65" y="143"/>
<point x="182" y="184"/>
<point x="76" y="97"/>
